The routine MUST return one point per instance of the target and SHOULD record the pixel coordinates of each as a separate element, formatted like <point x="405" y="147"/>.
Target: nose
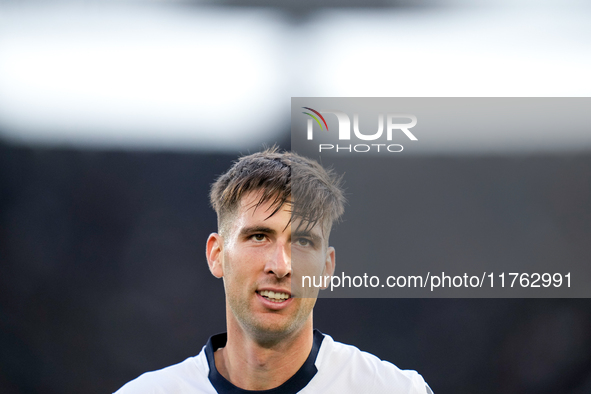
<point x="279" y="262"/>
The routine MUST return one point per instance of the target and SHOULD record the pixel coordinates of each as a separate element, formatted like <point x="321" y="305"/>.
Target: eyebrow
<point x="315" y="238"/>
<point x="257" y="229"/>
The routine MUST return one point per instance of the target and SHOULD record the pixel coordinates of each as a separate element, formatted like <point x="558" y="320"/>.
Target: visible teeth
<point x="276" y="297"/>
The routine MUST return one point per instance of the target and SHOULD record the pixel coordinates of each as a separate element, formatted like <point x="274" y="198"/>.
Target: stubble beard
<point x="269" y="331"/>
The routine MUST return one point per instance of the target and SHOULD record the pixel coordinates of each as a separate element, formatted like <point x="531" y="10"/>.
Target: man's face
<point x="255" y="259"/>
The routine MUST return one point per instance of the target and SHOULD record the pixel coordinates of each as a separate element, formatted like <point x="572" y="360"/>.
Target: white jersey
<point x="331" y="367"/>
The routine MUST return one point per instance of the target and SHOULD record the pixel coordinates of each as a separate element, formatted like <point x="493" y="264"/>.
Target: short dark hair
<point x="314" y="193"/>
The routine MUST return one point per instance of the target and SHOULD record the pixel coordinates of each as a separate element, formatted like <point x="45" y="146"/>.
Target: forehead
<point x="252" y="206"/>
<point x="251" y="211"/>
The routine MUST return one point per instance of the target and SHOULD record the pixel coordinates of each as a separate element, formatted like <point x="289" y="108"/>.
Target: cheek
<point x="243" y="262"/>
<point x="307" y="263"/>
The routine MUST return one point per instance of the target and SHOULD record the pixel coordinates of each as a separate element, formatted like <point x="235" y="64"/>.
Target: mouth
<point x="274" y="296"/>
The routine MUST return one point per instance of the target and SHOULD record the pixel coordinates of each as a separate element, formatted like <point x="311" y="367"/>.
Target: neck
<point x="263" y="363"/>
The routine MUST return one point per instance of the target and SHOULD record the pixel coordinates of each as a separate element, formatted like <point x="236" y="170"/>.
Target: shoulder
<point x="189" y="376"/>
<point x="346" y="369"/>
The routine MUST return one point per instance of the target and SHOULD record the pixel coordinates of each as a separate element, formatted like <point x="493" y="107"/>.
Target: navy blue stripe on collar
<point x="293" y="385"/>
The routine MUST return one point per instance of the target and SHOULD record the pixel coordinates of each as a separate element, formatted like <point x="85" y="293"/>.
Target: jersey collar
<point x="293" y="385"/>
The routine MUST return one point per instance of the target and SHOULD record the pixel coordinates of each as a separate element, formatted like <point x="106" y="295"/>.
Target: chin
<point x="273" y="330"/>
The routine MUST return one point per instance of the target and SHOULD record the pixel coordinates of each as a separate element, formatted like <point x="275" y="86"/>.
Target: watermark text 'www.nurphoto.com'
<point x="491" y="280"/>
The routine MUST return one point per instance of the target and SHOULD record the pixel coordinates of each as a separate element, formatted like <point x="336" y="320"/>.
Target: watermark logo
<point x="310" y="131"/>
<point x="393" y="124"/>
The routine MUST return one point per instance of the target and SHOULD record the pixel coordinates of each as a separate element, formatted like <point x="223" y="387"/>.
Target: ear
<point x="214" y="253"/>
<point x="329" y="263"/>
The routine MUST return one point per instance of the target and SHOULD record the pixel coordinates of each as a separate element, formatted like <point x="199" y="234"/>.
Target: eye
<point x="304" y="242"/>
<point x="258" y="237"/>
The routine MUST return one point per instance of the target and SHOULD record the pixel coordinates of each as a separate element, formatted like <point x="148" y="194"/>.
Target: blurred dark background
<point x="103" y="277"/>
<point x="115" y="117"/>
